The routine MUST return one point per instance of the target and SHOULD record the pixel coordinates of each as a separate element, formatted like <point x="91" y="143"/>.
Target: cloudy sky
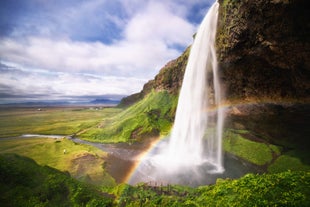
<point x="70" y="49"/>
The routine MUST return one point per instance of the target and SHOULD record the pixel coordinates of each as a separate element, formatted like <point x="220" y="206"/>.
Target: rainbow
<point x="140" y="158"/>
<point x="231" y="107"/>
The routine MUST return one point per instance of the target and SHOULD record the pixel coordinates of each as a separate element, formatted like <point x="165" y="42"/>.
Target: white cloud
<point x="125" y="58"/>
<point x="62" y="84"/>
<point x="147" y="45"/>
<point x="151" y="35"/>
<point x="158" y="23"/>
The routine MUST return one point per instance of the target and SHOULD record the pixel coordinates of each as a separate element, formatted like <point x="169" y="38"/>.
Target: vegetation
<point x="63" y="121"/>
<point x="255" y="152"/>
<point x="290" y="161"/>
<point x="25" y="183"/>
<point x="81" y="161"/>
<point x="149" y="117"/>
<point x="283" y="189"/>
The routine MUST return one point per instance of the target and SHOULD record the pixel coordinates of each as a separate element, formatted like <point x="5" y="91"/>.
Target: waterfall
<point x="193" y="154"/>
<point x="197" y="133"/>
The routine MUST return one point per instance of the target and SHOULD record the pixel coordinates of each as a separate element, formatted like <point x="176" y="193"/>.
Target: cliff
<point x="264" y="61"/>
<point x="263" y="49"/>
<point x="169" y="78"/>
<point x="263" y="53"/>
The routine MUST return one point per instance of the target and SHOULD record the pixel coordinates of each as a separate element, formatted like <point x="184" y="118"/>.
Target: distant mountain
<point x="104" y="101"/>
<point x="64" y="103"/>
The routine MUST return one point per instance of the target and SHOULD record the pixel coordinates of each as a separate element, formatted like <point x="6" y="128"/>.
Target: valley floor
<point x="94" y="163"/>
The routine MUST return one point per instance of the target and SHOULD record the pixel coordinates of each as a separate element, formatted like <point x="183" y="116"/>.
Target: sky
<point x="75" y="50"/>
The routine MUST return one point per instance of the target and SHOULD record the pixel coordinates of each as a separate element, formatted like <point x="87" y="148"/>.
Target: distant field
<point x="50" y="120"/>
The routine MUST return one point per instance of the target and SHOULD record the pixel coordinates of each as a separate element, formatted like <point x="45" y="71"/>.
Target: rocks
<point x="263" y="49"/>
<point x="263" y="53"/>
<point x="169" y="78"/>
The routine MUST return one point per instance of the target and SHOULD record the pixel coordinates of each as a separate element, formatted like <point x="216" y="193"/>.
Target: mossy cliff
<point x="263" y="53"/>
<point x="264" y="60"/>
<point x="169" y="78"/>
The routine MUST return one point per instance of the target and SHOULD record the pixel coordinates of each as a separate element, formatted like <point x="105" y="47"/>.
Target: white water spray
<point x="195" y="124"/>
<point x="193" y="154"/>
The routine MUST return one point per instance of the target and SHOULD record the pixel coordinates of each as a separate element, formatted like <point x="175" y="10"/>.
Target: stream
<point x="126" y="163"/>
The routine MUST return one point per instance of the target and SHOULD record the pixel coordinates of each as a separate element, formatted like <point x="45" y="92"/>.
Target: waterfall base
<point x="156" y="169"/>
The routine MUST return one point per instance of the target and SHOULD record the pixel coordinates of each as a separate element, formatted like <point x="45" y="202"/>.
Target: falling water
<point x="193" y="154"/>
<point x="197" y="132"/>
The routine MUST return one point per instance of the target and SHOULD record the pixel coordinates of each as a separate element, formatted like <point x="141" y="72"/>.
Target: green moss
<point x="25" y="183"/>
<point x="288" y="161"/>
<point x="254" y="152"/>
<point x="151" y="116"/>
<point x="276" y="149"/>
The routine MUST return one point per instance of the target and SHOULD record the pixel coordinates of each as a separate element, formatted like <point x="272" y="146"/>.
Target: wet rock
<point x="263" y="49"/>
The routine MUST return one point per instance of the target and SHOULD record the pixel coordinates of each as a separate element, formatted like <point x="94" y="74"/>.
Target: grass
<point x="63" y="121"/>
<point x="149" y="117"/>
<point x="25" y="183"/>
<point x="282" y="189"/>
<point x="255" y="152"/>
<point x="289" y="161"/>
<point x="81" y="161"/>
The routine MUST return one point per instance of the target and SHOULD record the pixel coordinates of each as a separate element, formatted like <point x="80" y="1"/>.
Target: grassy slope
<point x="81" y="161"/>
<point x="151" y="116"/>
<point x="25" y="183"/>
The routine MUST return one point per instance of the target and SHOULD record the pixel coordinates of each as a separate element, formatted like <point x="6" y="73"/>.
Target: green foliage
<point x="144" y="195"/>
<point x="151" y="116"/>
<point x="283" y="189"/>
<point x="255" y="152"/>
<point x="288" y="161"/>
<point x="25" y="183"/>
<point x="81" y="161"/>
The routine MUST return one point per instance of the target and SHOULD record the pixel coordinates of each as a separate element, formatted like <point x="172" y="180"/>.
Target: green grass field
<point x="57" y="120"/>
<point x="151" y="116"/>
<point x="83" y="162"/>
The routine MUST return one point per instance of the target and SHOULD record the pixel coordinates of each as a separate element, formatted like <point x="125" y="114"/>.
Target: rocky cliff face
<point x="169" y="78"/>
<point x="263" y="49"/>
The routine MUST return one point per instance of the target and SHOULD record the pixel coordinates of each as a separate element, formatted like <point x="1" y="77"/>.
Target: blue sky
<point x="67" y="50"/>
